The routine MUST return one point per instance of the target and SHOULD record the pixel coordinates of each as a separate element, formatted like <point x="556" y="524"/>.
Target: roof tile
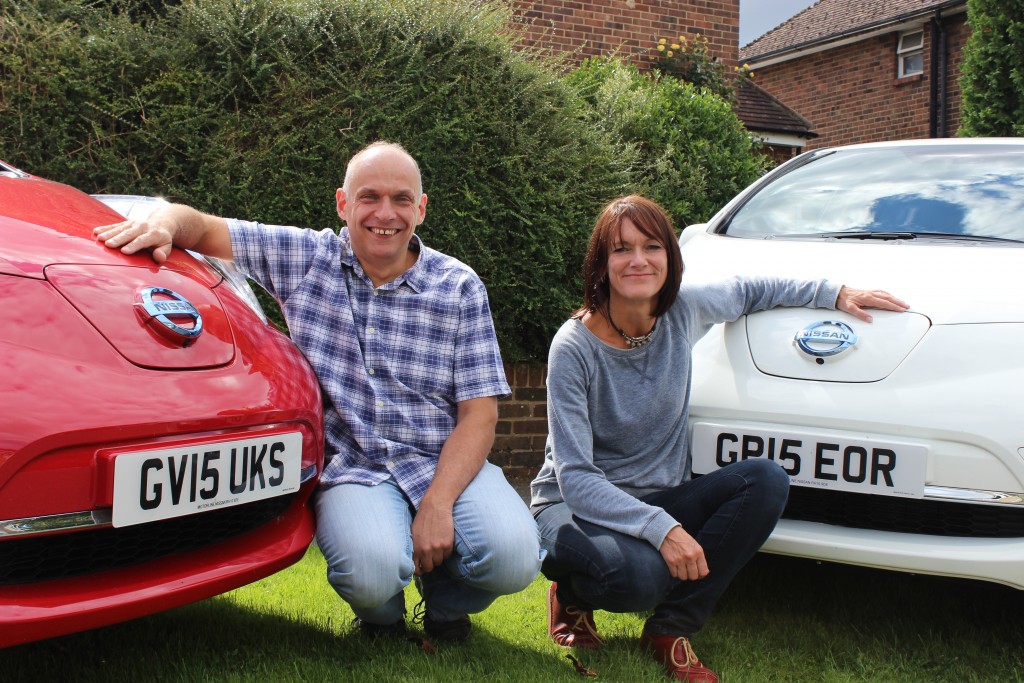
<point x="832" y="18"/>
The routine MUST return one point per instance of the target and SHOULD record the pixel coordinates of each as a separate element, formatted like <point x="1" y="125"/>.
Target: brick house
<point x="630" y="28"/>
<point x="867" y="70"/>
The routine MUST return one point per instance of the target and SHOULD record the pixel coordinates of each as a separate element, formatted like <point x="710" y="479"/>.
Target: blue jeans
<point x="730" y="513"/>
<point x="365" y="534"/>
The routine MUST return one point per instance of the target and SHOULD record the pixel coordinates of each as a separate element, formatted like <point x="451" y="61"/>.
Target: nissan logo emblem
<point x="163" y="309"/>
<point x="825" y="338"/>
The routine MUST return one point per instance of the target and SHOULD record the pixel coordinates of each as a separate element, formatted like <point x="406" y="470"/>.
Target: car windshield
<point x="969" y="191"/>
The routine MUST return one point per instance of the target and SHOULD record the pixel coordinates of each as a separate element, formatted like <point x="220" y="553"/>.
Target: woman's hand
<point x="683" y="555"/>
<point x="854" y="301"/>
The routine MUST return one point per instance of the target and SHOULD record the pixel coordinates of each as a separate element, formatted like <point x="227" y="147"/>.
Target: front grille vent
<point x="906" y="515"/>
<point x="58" y="556"/>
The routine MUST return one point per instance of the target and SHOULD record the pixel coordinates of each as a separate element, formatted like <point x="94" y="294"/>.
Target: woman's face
<point x="637" y="265"/>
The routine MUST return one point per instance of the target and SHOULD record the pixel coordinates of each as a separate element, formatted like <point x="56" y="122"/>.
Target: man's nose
<point x="386" y="209"/>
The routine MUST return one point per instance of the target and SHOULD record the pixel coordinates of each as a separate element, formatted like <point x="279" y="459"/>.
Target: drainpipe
<point x="938" y="73"/>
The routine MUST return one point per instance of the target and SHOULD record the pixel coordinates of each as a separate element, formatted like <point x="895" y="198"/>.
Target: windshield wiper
<point x="883" y="235"/>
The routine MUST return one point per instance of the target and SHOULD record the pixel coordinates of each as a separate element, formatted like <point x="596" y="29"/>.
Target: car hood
<point x="46" y="234"/>
<point x="949" y="282"/>
<point x="944" y="283"/>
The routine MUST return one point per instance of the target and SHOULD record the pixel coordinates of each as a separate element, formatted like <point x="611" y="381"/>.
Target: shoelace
<point x="691" y="656"/>
<point x="583" y="618"/>
<point x="419" y="612"/>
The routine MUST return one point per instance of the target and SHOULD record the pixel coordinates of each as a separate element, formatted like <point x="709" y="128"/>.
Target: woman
<point x="624" y="526"/>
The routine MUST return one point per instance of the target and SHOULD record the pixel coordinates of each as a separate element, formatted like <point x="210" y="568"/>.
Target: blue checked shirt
<point x="393" y="361"/>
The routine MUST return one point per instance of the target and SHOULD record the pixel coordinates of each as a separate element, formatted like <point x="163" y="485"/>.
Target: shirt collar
<point x="415" y="277"/>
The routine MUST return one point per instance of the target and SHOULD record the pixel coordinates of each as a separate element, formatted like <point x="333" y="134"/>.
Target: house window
<point x="910" y="53"/>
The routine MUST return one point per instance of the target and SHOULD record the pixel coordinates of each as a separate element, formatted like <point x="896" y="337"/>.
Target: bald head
<point x="384" y="153"/>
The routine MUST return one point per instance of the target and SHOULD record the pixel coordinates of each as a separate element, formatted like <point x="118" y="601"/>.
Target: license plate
<point x="172" y="482"/>
<point x="845" y="464"/>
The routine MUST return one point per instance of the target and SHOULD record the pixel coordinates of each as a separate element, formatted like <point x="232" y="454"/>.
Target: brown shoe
<point x="678" y="658"/>
<point x="571" y="626"/>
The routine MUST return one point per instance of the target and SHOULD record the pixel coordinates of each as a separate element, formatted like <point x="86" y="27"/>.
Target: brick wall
<point x="601" y="27"/>
<point x="522" y="421"/>
<point x="851" y="93"/>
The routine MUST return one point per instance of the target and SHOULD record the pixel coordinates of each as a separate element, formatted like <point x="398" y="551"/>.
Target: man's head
<point x="382" y="202"/>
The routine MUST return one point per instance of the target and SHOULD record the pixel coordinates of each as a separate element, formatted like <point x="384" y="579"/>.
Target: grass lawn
<point x="782" y="620"/>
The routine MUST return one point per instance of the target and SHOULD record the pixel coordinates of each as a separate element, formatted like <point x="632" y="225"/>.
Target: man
<point x="402" y="341"/>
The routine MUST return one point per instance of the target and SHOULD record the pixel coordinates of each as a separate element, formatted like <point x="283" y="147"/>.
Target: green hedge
<point x="250" y="108"/>
<point x="992" y="76"/>
<point x="695" y="154"/>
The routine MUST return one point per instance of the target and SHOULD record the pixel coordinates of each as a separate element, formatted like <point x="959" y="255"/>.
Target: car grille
<point x="907" y="515"/>
<point x="59" y="556"/>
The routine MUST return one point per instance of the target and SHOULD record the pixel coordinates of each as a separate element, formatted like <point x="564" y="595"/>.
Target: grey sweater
<point x="617" y="418"/>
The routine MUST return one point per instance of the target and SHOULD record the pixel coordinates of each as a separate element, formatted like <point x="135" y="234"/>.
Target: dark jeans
<point x="730" y="512"/>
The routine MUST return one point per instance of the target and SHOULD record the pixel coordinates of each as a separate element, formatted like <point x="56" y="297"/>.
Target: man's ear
<point x="341" y="203"/>
<point x="423" y="207"/>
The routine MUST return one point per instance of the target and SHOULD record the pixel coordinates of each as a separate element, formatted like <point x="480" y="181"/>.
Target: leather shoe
<point x="571" y="626"/>
<point x="678" y="658"/>
<point x="375" y="631"/>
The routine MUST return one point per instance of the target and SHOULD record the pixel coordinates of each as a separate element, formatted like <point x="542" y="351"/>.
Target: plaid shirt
<point x="393" y="361"/>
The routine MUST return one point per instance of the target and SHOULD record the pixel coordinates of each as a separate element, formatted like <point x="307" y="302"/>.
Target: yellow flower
<point x="682" y="39"/>
<point x="661" y="48"/>
<point x="751" y="74"/>
<point x="662" y="41"/>
<point x="746" y="66"/>
<point x="669" y="53"/>
<point x="675" y="46"/>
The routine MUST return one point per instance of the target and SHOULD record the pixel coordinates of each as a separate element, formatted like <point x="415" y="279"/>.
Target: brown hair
<point x="651" y="220"/>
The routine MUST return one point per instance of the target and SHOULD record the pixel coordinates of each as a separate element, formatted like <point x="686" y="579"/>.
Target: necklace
<point x="632" y="342"/>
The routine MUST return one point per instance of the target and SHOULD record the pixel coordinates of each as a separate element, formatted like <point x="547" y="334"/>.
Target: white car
<point x="903" y="438"/>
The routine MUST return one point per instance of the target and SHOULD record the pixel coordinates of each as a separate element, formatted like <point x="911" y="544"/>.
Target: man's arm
<point x="463" y="454"/>
<point x="172" y="225"/>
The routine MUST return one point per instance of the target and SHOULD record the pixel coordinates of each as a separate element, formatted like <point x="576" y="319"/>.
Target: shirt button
<point x="370" y="371"/>
<point x="380" y="404"/>
<point x="370" y="330"/>
<point x="390" y="463"/>
<point x="376" y="292"/>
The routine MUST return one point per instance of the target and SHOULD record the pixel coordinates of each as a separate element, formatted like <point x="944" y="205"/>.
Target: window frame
<point x="903" y="53"/>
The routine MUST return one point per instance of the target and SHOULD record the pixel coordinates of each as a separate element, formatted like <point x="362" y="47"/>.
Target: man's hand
<point x="433" y="537"/>
<point x="170" y="225"/>
<point x="684" y="556"/>
<point x="133" y="236"/>
<point x="463" y="454"/>
<point x="854" y="301"/>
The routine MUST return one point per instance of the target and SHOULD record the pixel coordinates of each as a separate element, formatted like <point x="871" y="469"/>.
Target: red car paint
<point x="84" y="377"/>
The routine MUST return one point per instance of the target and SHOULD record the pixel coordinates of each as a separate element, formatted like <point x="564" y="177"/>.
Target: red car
<point x="159" y="440"/>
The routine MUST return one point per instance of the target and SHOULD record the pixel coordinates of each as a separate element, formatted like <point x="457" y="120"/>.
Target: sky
<point x="757" y="17"/>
